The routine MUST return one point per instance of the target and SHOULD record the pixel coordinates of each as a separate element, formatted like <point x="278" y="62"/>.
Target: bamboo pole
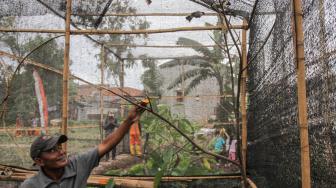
<point x="112" y="44"/>
<point x="251" y="183"/>
<point x="302" y="98"/>
<point x="171" y="14"/>
<point x="156" y="46"/>
<point x="66" y="72"/>
<point x="143" y="14"/>
<point x="109" y="31"/>
<point x="102" y="64"/>
<point x="101" y="180"/>
<point x="125" y="144"/>
<point x="164" y="58"/>
<point x="243" y="101"/>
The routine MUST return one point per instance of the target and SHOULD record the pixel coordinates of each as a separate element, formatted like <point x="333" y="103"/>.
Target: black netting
<point x="274" y="150"/>
<point x="187" y="76"/>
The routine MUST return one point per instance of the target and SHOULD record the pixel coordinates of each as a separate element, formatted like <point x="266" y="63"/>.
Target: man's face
<point x="53" y="159"/>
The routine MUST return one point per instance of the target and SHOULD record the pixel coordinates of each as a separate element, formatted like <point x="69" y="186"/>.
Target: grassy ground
<point x="15" y="150"/>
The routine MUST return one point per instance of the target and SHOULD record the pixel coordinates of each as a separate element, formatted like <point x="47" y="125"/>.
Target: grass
<point x="15" y="150"/>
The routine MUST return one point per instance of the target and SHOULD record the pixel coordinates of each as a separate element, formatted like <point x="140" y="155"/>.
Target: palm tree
<point x="209" y="64"/>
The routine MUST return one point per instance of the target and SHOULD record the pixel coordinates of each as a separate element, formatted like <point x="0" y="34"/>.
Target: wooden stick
<point x="164" y="58"/>
<point x="102" y="65"/>
<point x="133" y="183"/>
<point x="243" y="102"/>
<point x="143" y="14"/>
<point x="156" y="46"/>
<point x="160" y="14"/>
<point x="66" y="72"/>
<point x="108" y="31"/>
<point x="251" y="183"/>
<point x="298" y="40"/>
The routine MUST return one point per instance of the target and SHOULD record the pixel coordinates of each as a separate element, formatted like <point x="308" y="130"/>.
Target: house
<point x="88" y="98"/>
<point x="199" y="105"/>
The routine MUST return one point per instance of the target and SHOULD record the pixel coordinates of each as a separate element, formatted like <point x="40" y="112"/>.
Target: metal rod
<point x="109" y="31"/>
<point x="302" y="98"/>
<point x="66" y="72"/>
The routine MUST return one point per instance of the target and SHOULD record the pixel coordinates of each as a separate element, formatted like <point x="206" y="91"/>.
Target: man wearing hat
<point x="56" y="170"/>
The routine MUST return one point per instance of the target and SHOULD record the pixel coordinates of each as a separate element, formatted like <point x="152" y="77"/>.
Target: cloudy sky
<point x="84" y="53"/>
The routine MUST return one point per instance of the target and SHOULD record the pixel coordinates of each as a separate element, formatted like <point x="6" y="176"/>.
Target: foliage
<point x="200" y="69"/>
<point x="151" y="78"/>
<point x="168" y="152"/>
<point x="23" y="100"/>
<point x="114" y="64"/>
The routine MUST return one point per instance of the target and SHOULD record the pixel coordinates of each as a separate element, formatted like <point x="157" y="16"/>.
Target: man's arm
<point x="113" y="139"/>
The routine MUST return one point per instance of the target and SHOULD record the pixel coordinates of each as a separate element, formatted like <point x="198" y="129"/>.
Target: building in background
<point x="88" y="100"/>
<point x="199" y="105"/>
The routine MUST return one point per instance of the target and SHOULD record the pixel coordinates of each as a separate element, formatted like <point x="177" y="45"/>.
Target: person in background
<point x="219" y="143"/>
<point x="110" y="125"/>
<point x="227" y="140"/>
<point x="135" y="139"/>
<point x="232" y="150"/>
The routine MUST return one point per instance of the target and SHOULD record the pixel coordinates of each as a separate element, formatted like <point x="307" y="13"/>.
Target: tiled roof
<point x="87" y="91"/>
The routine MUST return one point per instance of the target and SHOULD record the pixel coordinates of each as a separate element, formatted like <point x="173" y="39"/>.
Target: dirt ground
<point x="122" y="161"/>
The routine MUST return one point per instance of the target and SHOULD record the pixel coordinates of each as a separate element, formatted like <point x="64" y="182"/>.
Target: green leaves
<point x="159" y="175"/>
<point x="110" y="184"/>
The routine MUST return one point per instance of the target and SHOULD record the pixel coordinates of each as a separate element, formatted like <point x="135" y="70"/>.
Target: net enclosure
<point x="210" y="68"/>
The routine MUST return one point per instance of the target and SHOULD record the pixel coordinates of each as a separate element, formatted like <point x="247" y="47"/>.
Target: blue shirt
<point x="219" y="144"/>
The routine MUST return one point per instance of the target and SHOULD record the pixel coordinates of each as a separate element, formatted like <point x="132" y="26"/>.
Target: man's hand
<point x="136" y="111"/>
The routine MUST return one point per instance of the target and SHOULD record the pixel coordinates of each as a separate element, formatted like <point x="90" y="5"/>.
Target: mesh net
<point x="160" y="65"/>
<point x="274" y="151"/>
<point x="187" y="76"/>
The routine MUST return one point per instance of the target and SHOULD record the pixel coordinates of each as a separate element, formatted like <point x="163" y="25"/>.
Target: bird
<point x="148" y="2"/>
<point x="196" y="14"/>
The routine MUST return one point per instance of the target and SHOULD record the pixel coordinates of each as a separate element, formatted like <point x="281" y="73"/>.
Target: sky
<point x="84" y="53"/>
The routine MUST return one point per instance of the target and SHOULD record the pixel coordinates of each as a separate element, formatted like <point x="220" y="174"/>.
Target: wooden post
<point x="302" y="98"/>
<point x="122" y="103"/>
<point x="243" y="101"/>
<point x="119" y="32"/>
<point x="121" y="80"/>
<point x="183" y="79"/>
<point x="102" y="65"/>
<point x="66" y="72"/>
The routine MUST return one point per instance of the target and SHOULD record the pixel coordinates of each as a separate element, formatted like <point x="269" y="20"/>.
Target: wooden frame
<point x="298" y="41"/>
<point x="109" y="31"/>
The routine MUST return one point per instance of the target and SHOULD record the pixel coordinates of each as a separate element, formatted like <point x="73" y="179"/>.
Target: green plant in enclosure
<point x="167" y="152"/>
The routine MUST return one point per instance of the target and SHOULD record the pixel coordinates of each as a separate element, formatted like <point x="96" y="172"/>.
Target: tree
<point x="151" y="78"/>
<point x="202" y="69"/>
<point x="23" y="99"/>
<point x="115" y="65"/>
